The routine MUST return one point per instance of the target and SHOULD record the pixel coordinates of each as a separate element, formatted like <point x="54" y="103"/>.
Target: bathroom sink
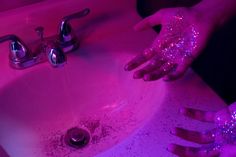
<point x="92" y="91"/>
<point x="41" y="106"/>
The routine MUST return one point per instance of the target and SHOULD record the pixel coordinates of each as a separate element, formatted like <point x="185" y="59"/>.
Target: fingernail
<point x="147" y="78"/>
<point x="126" y="67"/>
<point x="137" y="75"/>
<point x="166" y="78"/>
<point x="170" y="148"/>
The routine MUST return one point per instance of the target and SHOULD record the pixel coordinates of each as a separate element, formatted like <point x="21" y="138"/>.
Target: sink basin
<point x="92" y="91"/>
<point x="39" y="107"/>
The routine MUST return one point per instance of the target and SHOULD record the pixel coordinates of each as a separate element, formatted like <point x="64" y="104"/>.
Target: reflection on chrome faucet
<point x="22" y="57"/>
<point x="52" y="48"/>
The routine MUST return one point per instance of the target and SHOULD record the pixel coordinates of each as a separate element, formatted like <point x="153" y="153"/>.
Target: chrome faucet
<point x="52" y="48"/>
<point x="22" y="57"/>
<point x="67" y="38"/>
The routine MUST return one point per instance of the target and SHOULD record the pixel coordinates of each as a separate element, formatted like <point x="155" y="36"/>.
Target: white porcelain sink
<point x="125" y="117"/>
<point x="92" y="91"/>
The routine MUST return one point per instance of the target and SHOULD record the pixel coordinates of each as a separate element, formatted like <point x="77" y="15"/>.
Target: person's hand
<point x="3" y="152"/>
<point x="217" y="142"/>
<point x="183" y="35"/>
<point x="228" y="151"/>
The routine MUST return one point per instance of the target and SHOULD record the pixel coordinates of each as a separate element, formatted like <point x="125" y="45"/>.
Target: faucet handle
<point x="18" y="50"/>
<point x="50" y="48"/>
<point x="67" y="38"/>
<point x="77" y="15"/>
<point x="19" y="55"/>
<point x="56" y="57"/>
<point x="54" y="54"/>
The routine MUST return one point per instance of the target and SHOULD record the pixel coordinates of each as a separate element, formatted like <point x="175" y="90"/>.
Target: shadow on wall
<point x="13" y="4"/>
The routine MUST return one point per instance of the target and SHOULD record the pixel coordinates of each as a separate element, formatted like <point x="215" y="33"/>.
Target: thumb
<point x="148" y="22"/>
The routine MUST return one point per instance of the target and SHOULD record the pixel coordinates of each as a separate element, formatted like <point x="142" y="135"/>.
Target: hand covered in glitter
<point x="220" y="141"/>
<point x="181" y="39"/>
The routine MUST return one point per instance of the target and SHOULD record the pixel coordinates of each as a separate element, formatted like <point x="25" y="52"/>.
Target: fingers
<point x="159" y="73"/>
<point x="152" y="65"/>
<point x="177" y="73"/>
<point x="205" y="116"/>
<point x="148" y="22"/>
<point x="184" y="151"/>
<point x="226" y="114"/>
<point x="139" y="59"/>
<point x="232" y="107"/>
<point x="194" y="136"/>
<point x="223" y="116"/>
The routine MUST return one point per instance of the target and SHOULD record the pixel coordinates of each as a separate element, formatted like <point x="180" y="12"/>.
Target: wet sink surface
<point x="92" y="91"/>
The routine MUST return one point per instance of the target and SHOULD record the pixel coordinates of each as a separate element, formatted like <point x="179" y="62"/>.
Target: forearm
<point x="218" y="11"/>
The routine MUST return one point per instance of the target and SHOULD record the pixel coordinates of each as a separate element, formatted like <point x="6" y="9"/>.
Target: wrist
<point x="216" y="12"/>
<point x="208" y="15"/>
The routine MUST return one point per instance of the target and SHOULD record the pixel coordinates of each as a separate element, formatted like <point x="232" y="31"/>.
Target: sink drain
<point x="77" y="137"/>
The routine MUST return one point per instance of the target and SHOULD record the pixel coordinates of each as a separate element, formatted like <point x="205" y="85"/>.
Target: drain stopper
<point x="77" y="137"/>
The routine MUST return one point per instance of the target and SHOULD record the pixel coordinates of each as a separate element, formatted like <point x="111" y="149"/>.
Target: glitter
<point x="225" y="133"/>
<point x="212" y="147"/>
<point x="178" y="40"/>
<point x="228" y="130"/>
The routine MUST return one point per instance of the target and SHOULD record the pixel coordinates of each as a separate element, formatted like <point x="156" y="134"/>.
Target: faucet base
<point x="22" y="65"/>
<point x="69" y="46"/>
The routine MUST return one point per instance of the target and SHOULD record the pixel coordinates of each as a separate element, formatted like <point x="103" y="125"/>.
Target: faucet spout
<point x="18" y="50"/>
